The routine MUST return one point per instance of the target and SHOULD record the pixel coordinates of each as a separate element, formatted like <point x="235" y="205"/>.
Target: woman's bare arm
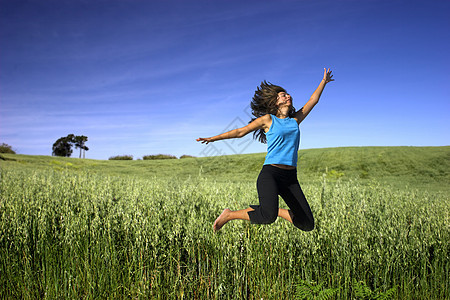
<point x="301" y="114"/>
<point x="259" y="123"/>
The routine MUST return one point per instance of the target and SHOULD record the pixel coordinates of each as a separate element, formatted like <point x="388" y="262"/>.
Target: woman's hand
<point x="327" y="77"/>
<point x="205" y="140"/>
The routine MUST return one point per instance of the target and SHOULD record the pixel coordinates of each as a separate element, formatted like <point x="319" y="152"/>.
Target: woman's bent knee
<point x="269" y="216"/>
<point x="305" y="226"/>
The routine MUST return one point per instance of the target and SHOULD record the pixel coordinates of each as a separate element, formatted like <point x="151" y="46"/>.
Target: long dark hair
<point x="265" y="102"/>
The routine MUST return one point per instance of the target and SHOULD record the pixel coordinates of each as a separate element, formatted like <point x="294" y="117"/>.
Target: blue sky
<point x="149" y="77"/>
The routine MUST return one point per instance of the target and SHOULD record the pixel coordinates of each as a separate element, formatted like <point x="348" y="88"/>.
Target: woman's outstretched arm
<point x="301" y="114"/>
<point x="260" y="123"/>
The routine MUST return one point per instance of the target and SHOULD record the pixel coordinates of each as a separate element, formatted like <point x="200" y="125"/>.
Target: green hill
<point x="414" y="167"/>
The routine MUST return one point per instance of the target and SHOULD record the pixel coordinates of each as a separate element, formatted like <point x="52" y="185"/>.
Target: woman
<point x="276" y="122"/>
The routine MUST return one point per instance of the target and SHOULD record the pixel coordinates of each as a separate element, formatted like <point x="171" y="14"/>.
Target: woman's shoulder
<point x="265" y="122"/>
<point x="266" y="117"/>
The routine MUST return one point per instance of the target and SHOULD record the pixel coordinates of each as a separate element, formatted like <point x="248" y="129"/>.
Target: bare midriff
<point x="286" y="167"/>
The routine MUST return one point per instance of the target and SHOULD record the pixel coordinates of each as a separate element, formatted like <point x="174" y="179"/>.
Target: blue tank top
<point x="283" y="139"/>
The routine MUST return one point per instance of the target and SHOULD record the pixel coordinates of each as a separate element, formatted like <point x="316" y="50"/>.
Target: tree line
<point x="64" y="147"/>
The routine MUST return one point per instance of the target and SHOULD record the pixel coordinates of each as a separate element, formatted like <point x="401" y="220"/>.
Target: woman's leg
<point x="264" y="213"/>
<point x="267" y="210"/>
<point x="228" y="215"/>
<point x="299" y="213"/>
<point x="285" y="214"/>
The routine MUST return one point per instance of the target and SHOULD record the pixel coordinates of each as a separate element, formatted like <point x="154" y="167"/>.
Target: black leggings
<point x="273" y="181"/>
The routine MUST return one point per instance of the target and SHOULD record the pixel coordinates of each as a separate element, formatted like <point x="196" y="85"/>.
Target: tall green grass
<point x="78" y="234"/>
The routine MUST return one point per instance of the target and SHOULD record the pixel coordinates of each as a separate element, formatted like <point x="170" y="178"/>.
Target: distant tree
<point x="79" y="142"/>
<point x="63" y="146"/>
<point x="5" y="148"/>
<point x="85" y="148"/>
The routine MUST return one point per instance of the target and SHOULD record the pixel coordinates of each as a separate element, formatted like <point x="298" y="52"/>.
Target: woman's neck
<point x="283" y="113"/>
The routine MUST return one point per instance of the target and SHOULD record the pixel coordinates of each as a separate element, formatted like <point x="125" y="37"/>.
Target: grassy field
<point x="76" y="228"/>
<point x="400" y="167"/>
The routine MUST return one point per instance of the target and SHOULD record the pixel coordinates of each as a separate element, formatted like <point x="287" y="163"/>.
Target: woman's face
<point x="283" y="99"/>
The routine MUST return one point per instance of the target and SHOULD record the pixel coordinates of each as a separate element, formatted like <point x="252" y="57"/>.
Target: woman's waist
<point x="284" y="167"/>
<point x="281" y="171"/>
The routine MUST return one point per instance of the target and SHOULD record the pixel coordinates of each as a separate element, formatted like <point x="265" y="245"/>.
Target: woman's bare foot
<point x="222" y="219"/>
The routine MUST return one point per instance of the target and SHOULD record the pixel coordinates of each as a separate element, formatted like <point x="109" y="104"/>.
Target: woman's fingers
<point x="203" y="140"/>
<point x="326" y="72"/>
<point x="327" y="75"/>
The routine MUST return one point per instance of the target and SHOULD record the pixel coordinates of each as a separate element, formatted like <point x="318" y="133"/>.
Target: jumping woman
<point x="276" y="123"/>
